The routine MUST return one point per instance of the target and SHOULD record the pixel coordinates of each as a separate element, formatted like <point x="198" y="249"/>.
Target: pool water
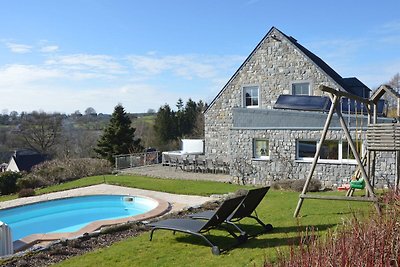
<point x="71" y="214"/>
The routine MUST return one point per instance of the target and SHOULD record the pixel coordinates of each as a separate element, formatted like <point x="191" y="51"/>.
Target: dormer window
<point x="251" y="96"/>
<point x="301" y="88"/>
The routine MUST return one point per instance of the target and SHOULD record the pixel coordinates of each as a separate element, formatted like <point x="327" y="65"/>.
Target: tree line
<point x="99" y="135"/>
<point x="186" y="122"/>
<point x="169" y="127"/>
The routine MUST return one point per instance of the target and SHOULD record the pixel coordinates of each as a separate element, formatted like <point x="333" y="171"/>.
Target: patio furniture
<point x="173" y="161"/>
<point x="182" y="163"/>
<point x="200" y="165"/>
<point x="198" y="227"/>
<point x="245" y="209"/>
<point x="221" y="165"/>
<point x="209" y="165"/>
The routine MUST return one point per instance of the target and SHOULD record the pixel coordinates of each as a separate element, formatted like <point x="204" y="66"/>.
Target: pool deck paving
<point x="177" y="202"/>
<point x="167" y="203"/>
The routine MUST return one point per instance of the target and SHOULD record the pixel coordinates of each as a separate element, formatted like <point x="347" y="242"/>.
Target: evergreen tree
<point x="179" y="104"/>
<point x="165" y="124"/>
<point x="189" y="118"/>
<point x="119" y="137"/>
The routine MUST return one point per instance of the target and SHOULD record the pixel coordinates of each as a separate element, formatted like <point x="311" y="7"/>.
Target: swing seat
<point x="357" y="184"/>
<point x="343" y="187"/>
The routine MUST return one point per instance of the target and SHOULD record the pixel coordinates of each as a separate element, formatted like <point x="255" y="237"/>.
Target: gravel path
<point x="157" y="170"/>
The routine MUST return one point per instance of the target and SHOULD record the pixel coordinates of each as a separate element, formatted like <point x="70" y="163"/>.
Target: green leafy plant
<point x="8" y="182"/>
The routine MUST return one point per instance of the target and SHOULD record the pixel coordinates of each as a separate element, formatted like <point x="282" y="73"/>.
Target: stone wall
<point x="283" y="164"/>
<point x="273" y="66"/>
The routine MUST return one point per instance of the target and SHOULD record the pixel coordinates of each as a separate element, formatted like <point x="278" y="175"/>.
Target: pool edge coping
<point x="29" y="241"/>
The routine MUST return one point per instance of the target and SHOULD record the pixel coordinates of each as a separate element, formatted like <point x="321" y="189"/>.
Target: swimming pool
<point x="72" y="214"/>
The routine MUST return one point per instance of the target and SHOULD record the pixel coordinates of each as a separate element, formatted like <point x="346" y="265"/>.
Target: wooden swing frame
<point x="371" y="106"/>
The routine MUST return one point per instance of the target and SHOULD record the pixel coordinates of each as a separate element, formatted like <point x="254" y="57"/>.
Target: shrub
<point x="297" y="185"/>
<point x="8" y="182"/>
<point x="284" y="184"/>
<point x="59" y="171"/>
<point x="314" y="186"/>
<point x="26" y="192"/>
<point x="30" y="181"/>
<point x="369" y="241"/>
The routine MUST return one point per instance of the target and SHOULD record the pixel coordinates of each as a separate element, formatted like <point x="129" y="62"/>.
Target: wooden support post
<point x="317" y="153"/>
<point x="357" y="157"/>
<point x="398" y="107"/>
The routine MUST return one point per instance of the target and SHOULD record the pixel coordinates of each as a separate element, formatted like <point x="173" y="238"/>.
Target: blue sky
<point x="67" y="55"/>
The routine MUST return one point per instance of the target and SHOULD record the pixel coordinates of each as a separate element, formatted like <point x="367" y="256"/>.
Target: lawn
<point x="167" y="249"/>
<point x="186" y="187"/>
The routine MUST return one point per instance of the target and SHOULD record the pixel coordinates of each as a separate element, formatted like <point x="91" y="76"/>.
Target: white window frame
<point x="300" y="82"/>
<point x="244" y="96"/>
<point x="340" y="159"/>
<point x="266" y="157"/>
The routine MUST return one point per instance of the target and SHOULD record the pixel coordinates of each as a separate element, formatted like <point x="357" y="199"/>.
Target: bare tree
<point x="40" y="131"/>
<point x="395" y="82"/>
<point x="391" y="101"/>
<point x="76" y="142"/>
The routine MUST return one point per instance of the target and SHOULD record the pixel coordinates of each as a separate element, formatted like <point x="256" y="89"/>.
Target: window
<point x="260" y="149"/>
<point x="331" y="151"/>
<point x="347" y="154"/>
<point x="306" y="149"/>
<point x="300" y="88"/>
<point x="250" y="96"/>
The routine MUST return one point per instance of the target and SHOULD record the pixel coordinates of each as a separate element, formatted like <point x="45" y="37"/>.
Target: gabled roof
<point x="342" y="83"/>
<point x="385" y="88"/>
<point x="356" y="87"/>
<point x="26" y="159"/>
<point x="317" y="61"/>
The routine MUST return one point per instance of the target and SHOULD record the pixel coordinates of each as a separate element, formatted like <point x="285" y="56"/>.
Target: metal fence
<point x="136" y="160"/>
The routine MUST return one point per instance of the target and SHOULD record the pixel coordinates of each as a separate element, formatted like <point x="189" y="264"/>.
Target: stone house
<point x="263" y="143"/>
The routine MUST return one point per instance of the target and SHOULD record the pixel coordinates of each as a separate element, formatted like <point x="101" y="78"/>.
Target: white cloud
<point x="87" y="62"/>
<point x="19" y="48"/>
<point x="69" y="82"/>
<point x="49" y="48"/>
<point x="184" y="66"/>
<point x="15" y="74"/>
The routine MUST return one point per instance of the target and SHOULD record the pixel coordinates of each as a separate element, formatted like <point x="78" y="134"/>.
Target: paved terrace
<point x="157" y="170"/>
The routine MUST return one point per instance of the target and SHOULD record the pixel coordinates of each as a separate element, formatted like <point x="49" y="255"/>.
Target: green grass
<point x="167" y="249"/>
<point x="186" y="187"/>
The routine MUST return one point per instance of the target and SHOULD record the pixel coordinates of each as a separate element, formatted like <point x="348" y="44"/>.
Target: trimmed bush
<point x="59" y="171"/>
<point x="30" y="182"/>
<point x="297" y="185"/>
<point x="284" y="184"/>
<point x="26" y="192"/>
<point x="314" y="186"/>
<point x="8" y="182"/>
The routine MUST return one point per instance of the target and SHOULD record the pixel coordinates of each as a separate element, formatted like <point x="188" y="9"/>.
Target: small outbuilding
<point x="24" y="160"/>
